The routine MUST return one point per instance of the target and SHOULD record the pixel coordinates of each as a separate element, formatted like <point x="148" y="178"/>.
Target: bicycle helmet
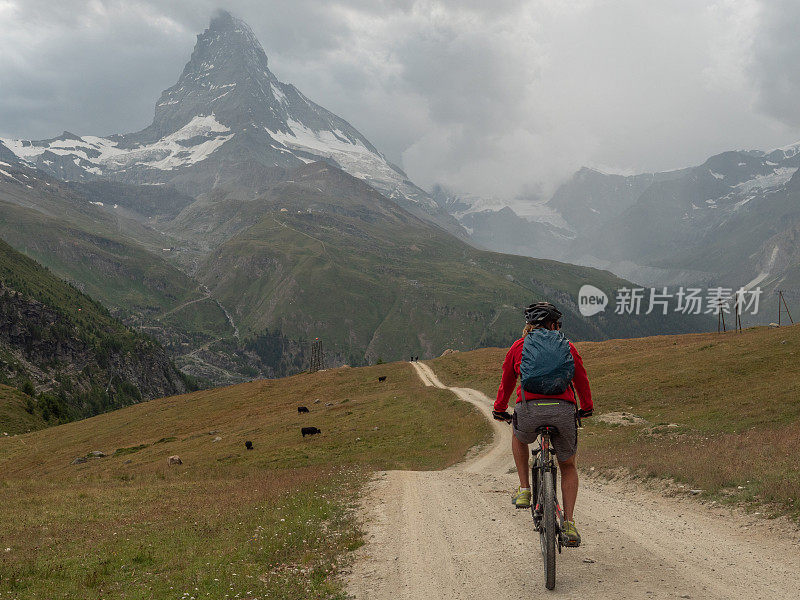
<point x="542" y="312"/>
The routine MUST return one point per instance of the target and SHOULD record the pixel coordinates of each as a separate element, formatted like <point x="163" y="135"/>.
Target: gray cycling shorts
<point x="532" y="414"/>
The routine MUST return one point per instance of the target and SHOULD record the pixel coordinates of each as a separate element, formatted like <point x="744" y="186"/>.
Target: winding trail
<point x="453" y="534"/>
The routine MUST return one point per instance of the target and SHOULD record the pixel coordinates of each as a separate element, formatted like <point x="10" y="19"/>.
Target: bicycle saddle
<point x="546" y="429"/>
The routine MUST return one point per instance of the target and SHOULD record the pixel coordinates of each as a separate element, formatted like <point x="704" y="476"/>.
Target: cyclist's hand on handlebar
<point x="501" y="416"/>
<point x="585" y="413"/>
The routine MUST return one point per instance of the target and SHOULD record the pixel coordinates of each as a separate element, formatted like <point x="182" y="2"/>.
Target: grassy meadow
<point x="273" y="522"/>
<point x="721" y="411"/>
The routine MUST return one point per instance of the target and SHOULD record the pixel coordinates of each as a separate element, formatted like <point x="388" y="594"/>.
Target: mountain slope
<point x="710" y="226"/>
<point x="226" y="116"/>
<point x="730" y="221"/>
<point x="329" y="257"/>
<point x="105" y="252"/>
<point x="678" y="211"/>
<point x="14" y="415"/>
<point x="590" y="196"/>
<point x="80" y="359"/>
<point x="505" y="231"/>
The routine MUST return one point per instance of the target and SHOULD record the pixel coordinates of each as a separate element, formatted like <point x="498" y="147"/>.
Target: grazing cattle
<point x="302" y="409"/>
<point x="248" y="444"/>
<point x="310" y="431"/>
<point x="382" y="378"/>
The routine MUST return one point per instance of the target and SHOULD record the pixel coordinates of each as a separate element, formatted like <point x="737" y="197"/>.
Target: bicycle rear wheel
<point x="547" y="531"/>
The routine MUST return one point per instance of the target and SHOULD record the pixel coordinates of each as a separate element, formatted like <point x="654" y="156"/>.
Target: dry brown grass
<point x="733" y="398"/>
<point x="272" y="521"/>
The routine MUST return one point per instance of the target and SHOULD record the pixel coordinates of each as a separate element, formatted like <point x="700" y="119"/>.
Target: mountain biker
<point x="530" y="414"/>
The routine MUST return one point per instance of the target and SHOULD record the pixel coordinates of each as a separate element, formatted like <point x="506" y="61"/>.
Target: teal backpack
<point x="546" y="366"/>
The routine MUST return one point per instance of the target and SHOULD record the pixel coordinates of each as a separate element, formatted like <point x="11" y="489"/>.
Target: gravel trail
<point x="453" y="534"/>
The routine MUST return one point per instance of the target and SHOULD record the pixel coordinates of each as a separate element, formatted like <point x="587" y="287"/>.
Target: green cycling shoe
<point x="570" y="536"/>
<point x="521" y="498"/>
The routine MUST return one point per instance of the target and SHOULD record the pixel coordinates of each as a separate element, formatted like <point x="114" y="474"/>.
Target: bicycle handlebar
<point x="501" y="416"/>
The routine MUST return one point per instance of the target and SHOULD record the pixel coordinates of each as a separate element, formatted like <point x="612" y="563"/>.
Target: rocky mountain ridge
<point x="226" y="116"/>
<point x="724" y="222"/>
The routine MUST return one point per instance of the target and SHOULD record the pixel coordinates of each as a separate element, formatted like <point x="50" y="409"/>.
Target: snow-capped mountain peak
<point x="227" y="112"/>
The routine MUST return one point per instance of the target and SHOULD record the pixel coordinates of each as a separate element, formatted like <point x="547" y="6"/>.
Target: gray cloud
<point x="491" y="98"/>
<point x="775" y="66"/>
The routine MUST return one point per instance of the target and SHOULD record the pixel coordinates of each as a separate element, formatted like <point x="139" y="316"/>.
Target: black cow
<point x="302" y="409"/>
<point x="382" y="378"/>
<point x="310" y="431"/>
<point x="248" y="444"/>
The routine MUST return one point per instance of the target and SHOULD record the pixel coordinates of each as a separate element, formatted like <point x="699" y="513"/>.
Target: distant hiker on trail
<point x="543" y="354"/>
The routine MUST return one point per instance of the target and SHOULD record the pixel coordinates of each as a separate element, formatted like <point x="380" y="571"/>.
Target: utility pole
<point x="317" y="356"/>
<point x="782" y="301"/>
<point x="738" y="311"/>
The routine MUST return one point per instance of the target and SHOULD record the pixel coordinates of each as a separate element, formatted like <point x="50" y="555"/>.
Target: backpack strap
<point x="577" y="406"/>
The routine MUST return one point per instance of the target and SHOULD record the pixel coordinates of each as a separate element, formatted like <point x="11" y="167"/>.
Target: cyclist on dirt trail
<point x="559" y="412"/>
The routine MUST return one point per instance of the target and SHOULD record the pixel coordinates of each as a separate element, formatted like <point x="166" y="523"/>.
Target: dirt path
<point x="453" y="534"/>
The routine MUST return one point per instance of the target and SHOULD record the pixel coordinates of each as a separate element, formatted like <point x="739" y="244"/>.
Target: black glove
<point x="501" y="416"/>
<point x="585" y="413"/>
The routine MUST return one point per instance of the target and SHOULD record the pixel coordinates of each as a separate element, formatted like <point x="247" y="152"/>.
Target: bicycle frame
<point x="544" y="465"/>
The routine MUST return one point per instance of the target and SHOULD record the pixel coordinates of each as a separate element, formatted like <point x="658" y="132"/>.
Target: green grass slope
<point x="81" y="359"/>
<point x="720" y="410"/>
<point x="273" y="522"/>
<point x="111" y="257"/>
<point x="324" y="255"/>
<point x="17" y="413"/>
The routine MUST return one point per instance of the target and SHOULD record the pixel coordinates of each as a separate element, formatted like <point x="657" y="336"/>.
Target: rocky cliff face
<point x="72" y="371"/>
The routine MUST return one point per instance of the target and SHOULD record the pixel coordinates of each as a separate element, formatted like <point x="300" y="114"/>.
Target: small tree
<point x="27" y="388"/>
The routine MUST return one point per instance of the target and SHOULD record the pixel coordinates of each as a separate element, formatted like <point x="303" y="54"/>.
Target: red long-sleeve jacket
<point x="511" y="373"/>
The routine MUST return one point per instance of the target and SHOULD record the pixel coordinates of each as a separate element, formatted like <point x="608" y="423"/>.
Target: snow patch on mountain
<point x="190" y="144"/>
<point x="777" y="178"/>
<point x="766" y="272"/>
<point x="531" y="209"/>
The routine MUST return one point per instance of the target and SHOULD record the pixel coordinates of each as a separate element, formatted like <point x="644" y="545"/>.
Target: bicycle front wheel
<point x="547" y="531"/>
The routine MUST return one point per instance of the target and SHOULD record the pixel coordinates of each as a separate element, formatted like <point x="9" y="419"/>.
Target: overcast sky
<point x="492" y="98"/>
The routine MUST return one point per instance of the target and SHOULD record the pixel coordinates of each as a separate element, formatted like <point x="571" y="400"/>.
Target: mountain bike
<point x="548" y="518"/>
